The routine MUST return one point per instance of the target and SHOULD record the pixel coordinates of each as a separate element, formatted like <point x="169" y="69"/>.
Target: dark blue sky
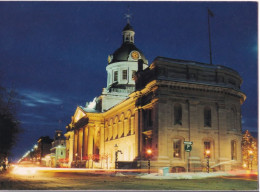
<point x="55" y="53"/>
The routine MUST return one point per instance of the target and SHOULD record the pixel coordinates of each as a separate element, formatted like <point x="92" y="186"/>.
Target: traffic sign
<point x="187" y="147"/>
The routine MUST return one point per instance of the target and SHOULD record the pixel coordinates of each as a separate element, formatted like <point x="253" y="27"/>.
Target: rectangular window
<point x="115" y="75"/>
<point x="207" y="117"/>
<point x="207" y="148"/>
<point x="150" y="119"/>
<point x="233" y="150"/>
<point x="124" y="74"/>
<point x="177" y="148"/>
<point x="177" y="114"/>
<point x="133" y="74"/>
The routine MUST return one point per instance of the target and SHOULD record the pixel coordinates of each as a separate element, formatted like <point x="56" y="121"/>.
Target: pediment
<point x="79" y="113"/>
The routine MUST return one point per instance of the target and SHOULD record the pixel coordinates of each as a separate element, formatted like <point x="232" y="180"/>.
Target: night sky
<point x="54" y="54"/>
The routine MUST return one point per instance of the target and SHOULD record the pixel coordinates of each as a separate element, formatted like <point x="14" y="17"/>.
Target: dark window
<point x="133" y="74"/>
<point x="150" y="120"/>
<point x="61" y="153"/>
<point x="177" y="114"/>
<point x="207" y="117"/>
<point x="124" y="74"/>
<point x="116" y="76"/>
<point x="233" y="118"/>
<point x="233" y="150"/>
<point x="177" y="148"/>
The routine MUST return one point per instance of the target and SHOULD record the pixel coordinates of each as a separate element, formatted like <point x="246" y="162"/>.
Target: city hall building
<point x="159" y="107"/>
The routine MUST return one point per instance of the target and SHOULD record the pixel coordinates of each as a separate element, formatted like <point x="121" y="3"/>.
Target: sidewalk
<point x="191" y="175"/>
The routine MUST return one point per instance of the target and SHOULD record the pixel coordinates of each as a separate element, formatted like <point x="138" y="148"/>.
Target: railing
<point x="127" y="90"/>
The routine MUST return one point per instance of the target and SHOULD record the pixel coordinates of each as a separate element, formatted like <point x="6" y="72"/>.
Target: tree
<point x="249" y="150"/>
<point x="9" y="126"/>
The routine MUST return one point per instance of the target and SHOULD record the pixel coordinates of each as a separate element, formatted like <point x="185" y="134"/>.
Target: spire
<point x="128" y="15"/>
<point x="128" y="31"/>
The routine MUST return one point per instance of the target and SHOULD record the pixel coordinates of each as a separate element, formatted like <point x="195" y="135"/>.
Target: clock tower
<point x="121" y="68"/>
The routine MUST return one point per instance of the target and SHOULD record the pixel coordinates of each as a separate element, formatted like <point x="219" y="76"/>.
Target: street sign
<point x="187" y="147"/>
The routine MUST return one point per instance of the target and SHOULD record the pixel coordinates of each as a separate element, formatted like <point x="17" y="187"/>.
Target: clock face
<point x="135" y="55"/>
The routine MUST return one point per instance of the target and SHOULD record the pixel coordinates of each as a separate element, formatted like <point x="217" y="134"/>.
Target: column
<point x="90" y="140"/>
<point x="102" y="144"/>
<point x="75" y="144"/>
<point x="80" y="150"/>
<point x="85" y="151"/>
<point x="71" y="151"/>
<point x="78" y="143"/>
<point x="83" y="143"/>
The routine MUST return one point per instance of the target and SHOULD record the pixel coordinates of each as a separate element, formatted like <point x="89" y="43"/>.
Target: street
<point x="33" y="178"/>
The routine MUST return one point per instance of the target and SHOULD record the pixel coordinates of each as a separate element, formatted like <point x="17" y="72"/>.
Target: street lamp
<point x="76" y="154"/>
<point x="116" y="155"/>
<point x="207" y="156"/>
<point x="251" y="157"/>
<point x="149" y="153"/>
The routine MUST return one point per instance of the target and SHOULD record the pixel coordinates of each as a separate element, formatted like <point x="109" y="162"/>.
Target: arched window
<point x="121" y="126"/>
<point x="207" y="117"/>
<point x="115" y="128"/>
<point x="177" y="114"/>
<point x="233" y="150"/>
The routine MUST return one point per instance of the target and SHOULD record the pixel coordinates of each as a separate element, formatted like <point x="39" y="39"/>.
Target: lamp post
<point x="207" y="156"/>
<point x="149" y="153"/>
<point x="251" y="158"/>
<point x="116" y="155"/>
<point x="76" y="154"/>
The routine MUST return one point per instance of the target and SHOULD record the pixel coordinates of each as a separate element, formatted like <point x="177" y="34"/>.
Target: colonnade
<point x="83" y="142"/>
<point x="115" y="129"/>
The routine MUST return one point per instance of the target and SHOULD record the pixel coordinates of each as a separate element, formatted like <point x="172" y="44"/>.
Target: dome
<point x="123" y="53"/>
<point x="128" y="27"/>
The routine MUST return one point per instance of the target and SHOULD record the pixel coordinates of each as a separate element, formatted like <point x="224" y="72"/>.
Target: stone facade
<point x="164" y="105"/>
<point x="174" y="101"/>
<point x="194" y="102"/>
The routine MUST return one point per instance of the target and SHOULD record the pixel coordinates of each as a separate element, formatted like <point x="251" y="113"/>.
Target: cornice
<point x="203" y="87"/>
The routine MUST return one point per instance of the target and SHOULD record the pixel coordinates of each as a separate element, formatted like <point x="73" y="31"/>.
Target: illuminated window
<point x="177" y="114"/>
<point x="115" y="75"/>
<point x="207" y="117"/>
<point x="233" y="150"/>
<point x="124" y="74"/>
<point x="207" y="148"/>
<point x="177" y="148"/>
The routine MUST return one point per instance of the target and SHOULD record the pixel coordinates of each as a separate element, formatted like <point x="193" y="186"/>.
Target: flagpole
<point x="210" y="53"/>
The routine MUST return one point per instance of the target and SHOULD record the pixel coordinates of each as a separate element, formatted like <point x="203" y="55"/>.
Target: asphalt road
<point x="83" y="179"/>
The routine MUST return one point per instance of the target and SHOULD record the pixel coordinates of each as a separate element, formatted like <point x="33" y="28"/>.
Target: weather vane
<point x="128" y="15"/>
